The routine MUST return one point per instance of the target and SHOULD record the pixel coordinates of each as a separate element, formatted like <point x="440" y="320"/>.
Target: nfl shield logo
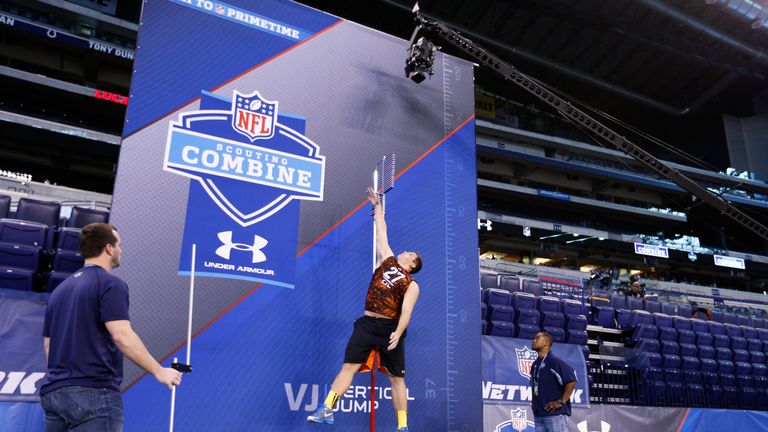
<point x="519" y="419"/>
<point x="525" y="359"/>
<point x="254" y="116"/>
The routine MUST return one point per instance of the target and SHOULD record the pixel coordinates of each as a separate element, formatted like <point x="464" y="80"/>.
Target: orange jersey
<point x="387" y="289"/>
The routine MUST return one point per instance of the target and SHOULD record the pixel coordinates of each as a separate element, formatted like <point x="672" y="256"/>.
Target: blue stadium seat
<point x="635" y="303"/>
<point x="748" y="332"/>
<point x="688" y="350"/>
<point x="762" y="334"/>
<point x="669" y="347"/>
<point x="585" y="353"/>
<point x="548" y="304"/>
<point x="501" y="313"/>
<point x="740" y="355"/>
<point x="706" y="352"/>
<point x="698" y="325"/>
<point x="743" y="320"/>
<point x="668" y="308"/>
<point x="483" y="312"/>
<point x="643" y="331"/>
<point x="759" y="369"/>
<point x="730" y="318"/>
<point x="82" y="216"/>
<point x="757" y="357"/>
<point x="686" y="336"/>
<point x="552" y="319"/>
<point x="723" y="354"/>
<point x="527" y="331"/>
<point x="694" y="386"/>
<point x="647" y="345"/>
<point x="576" y="322"/>
<point x="497" y="296"/>
<point x="572" y="307"/>
<point x="510" y="283"/>
<point x="707" y="364"/>
<point x="67" y="261"/>
<point x="758" y="322"/>
<point x="738" y="342"/>
<point x="68" y="239"/>
<point x="648" y="359"/>
<point x="44" y="212"/>
<point x="501" y="328"/>
<point x="638" y="317"/>
<point x="19" y="256"/>
<point x="578" y="337"/>
<point x="532" y="287"/>
<point x="652" y="305"/>
<point x="717" y="315"/>
<point x="623" y="318"/>
<point x="18" y="279"/>
<point x="725" y="367"/>
<point x="5" y="206"/>
<point x="703" y="339"/>
<point x="667" y="334"/>
<point x="603" y="316"/>
<point x="716" y="328"/>
<point x="483" y="324"/>
<point x="55" y="278"/>
<point x="618" y="301"/>
<point x="523" y="300"/>
<point x="526" y="316"/>
<point x="671" y="361"/>
<point x="747" y="391"/>
<point x="23" y="232"/>
<point x="487" y="280"/>
<point x="732" y="330"/>
<point x="662" y="320"/>
<point x="754" y="344"/>
<point x="730" y="392"/>
<point x="557" y="333"/>
<point x="690" y="363"/>
<point x="674" y="381"/>
<point x="714" y="392"/>
<point x="721" y="341"/>
<point x="682" y="323"/>
<point x="684" y="310"/>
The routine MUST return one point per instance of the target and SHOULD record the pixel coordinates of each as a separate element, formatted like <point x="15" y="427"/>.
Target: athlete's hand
<point x="394" y="339"/>
<point x="169" y="377"/>
<point x="373" y="197"/>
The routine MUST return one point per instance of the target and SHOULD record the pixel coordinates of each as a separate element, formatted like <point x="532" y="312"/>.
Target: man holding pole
<point x="392" y="294"/>
<point x="86" y="332"/>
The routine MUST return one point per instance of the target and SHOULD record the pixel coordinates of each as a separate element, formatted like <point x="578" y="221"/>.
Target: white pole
<point x="191" y="303"/>
<point x="375" y="190"/>
<point x="173" y="400"/>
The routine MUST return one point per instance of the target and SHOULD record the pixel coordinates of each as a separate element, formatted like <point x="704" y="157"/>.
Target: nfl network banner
<point x="507" y="370"/>
<point x="251" y="165"/>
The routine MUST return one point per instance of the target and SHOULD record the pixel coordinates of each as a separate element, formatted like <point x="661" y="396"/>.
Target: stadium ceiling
<point x="670" y="67"/>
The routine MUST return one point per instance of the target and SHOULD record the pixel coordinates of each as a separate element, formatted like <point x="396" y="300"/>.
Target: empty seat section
<point x="575" y="322"/>
<point x="487" y="280"/>
<point x="510" y="283"/>
<point x="5" y="206"/>
<point x="572" y="307"/>
<point x="618" y="301"/>
<point x="521" y="300"/>
<point x="18" y="279"/>
<point x="730" y="318"/>
<point x="635" y="303"/>
<point x="748" y="332"/>
<point x="742" y="320"/>
<point x="497" y="296"/>
<point x="548" y="304"/>
<point x="668" y="308"/>
<point x="716" y="328"/>
<point x="527" y="331"/>
<point x="662" y="320"/>
<point x="557" y="333"/>
<point x="639" y="317"/>
<point x="706" y="352"/>
<point x="23" y="232"/>
<point x="44" y="212"/>
<point x="501" y="313"/>
<point x="717" y="315"/>
<point x="698" y="325"/>
<point x="578" y="337"/>
<point x="684" y="310"/>
<point x="19" y="256"/>
<point x="501" y="328"/>
<point x="67" y="261"/>
<point x="668" y="334"/>
<point x="652" y="306"/>
<point x="732" y="330"/>
<point x="754" y="344"/>
<point x="82" y="216"/>
<point x="682" y="323"/>
<point x="533" y="287"/>
<point x="68" y="239"/>
<point x="603" y="316"/>
<point x="686" y="336"/>
<point x="527" y="316"/>
<point x="703" y="339"/>
<point x="721" y="341"/>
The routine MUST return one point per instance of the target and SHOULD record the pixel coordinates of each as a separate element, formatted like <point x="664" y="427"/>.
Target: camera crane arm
<point x="430" y="27"/>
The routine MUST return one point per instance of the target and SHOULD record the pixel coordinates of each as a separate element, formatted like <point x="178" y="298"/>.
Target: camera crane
<point x="419" y="63"/>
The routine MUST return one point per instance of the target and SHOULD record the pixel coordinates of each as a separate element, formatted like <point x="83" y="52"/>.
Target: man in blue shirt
<point x="552" y="381"/>
<point x="86" y="332"/>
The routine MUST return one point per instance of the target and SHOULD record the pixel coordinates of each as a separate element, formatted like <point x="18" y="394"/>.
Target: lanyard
<point x="538" y="372"/>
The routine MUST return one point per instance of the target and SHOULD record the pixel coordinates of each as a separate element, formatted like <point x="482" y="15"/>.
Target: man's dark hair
<point x="416" y="264"/>
<point x="548" y="337"/>
<point x="94" y="237"/>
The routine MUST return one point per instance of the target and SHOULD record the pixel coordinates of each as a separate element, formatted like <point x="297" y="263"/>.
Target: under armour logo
<point x="226" y="247"/>
<point x="485" y="224"/>
<point x="604" y="427"/>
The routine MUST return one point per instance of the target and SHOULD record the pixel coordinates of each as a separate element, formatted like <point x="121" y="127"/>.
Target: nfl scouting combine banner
<point x="252" y="131"/>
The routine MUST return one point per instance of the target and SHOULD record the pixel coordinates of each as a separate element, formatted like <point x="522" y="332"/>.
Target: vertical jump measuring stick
<point x="383" y="174"/>
<point x="185" y="368"/>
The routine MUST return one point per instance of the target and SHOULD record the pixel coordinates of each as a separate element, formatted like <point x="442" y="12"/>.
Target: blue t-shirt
<point x="82" y="352"/>
<point x="549" y="375"/>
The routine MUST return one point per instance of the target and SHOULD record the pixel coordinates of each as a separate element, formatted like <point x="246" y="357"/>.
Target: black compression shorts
<point x="372" y="333"/>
